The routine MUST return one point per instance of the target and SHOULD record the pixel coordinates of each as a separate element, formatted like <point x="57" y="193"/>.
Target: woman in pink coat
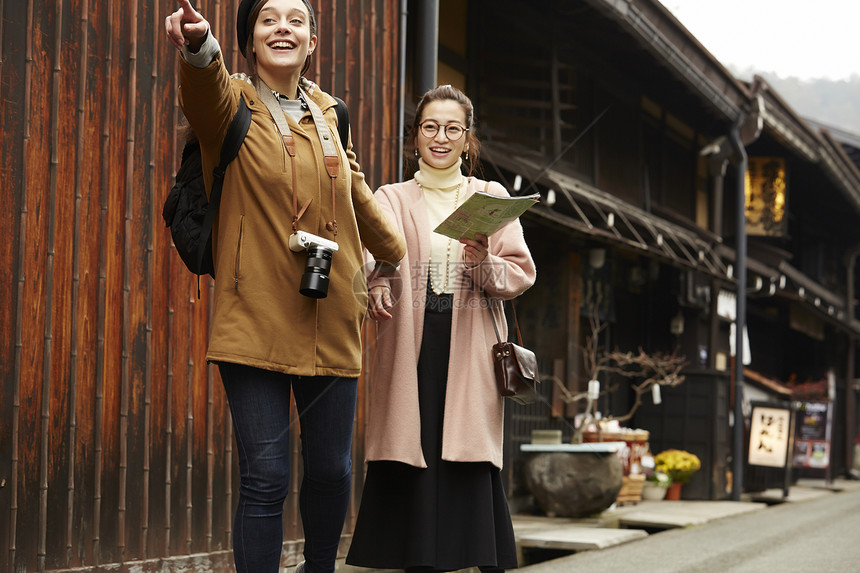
<point x="433" y="497"/>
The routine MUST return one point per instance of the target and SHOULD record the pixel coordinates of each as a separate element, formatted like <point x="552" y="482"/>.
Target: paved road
<point x="819" y="535"/>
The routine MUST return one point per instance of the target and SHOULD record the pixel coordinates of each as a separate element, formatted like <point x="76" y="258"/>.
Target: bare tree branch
<point x="648" y="370"/>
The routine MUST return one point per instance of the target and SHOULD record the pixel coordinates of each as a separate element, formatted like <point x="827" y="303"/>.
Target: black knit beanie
<point x="243" y="26"/>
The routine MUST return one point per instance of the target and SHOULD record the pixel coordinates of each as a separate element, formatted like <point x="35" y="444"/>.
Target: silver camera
<point x="316" y="278"/>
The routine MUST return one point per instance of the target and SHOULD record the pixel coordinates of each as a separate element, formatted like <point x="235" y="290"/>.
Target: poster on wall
<point x="812" y="435"/>
<point x="770" y="434"/>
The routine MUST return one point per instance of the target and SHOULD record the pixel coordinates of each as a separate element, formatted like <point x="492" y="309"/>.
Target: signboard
<point x="770" y="432"/>
<point x="765" y="191"/>
<point x="812" y="435"/>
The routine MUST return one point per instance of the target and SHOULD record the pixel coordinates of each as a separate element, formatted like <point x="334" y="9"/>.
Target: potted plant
<point x="679" y="466"/>
<point x="656" y="482"/>
<point x="656" y="486"/>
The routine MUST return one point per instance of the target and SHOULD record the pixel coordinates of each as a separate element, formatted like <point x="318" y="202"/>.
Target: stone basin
<point x="574" y="480"/>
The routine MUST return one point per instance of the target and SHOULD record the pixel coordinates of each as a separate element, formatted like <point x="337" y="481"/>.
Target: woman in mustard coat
<point x="433" y="497"/>
<point x="291" y="176"/>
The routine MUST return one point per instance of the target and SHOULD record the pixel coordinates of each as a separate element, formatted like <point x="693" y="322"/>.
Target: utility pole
<point x="741" y="308"/>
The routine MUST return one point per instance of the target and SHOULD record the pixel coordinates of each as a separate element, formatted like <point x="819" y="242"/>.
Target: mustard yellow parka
<point x="260" y="318"/>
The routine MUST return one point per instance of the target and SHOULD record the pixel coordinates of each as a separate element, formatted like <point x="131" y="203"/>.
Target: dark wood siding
<point x="115" y="437"/>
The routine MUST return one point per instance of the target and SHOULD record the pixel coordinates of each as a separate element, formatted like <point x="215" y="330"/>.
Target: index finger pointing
<point x="187" y="9"/>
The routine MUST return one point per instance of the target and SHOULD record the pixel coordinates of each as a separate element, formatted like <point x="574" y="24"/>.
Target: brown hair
<point x="443" y="93"/>
<point x="251" y="58"/>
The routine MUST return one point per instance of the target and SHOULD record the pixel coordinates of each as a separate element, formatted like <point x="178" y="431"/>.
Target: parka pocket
<point x="237" y="266"/>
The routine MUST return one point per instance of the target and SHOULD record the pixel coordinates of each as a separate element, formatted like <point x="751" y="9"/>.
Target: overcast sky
<point x="801" y="38"/>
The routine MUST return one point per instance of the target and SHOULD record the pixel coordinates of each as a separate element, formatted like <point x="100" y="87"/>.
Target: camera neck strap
<point x="331" y="158"/>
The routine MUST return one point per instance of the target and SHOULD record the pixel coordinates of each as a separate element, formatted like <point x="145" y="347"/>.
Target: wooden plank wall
<point x="115" y="441"/>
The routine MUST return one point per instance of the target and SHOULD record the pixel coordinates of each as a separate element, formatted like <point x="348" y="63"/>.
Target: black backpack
<point x="187" y="211"/>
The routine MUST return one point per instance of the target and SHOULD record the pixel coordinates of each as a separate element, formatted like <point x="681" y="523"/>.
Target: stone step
<point x="578" y="538"/>
<point x="671" y="514"/>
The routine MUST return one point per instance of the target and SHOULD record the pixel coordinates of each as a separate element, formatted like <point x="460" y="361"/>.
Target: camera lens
<point x="315" y="280"/>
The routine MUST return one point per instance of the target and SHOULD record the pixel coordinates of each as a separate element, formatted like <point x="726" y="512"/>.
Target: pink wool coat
<point x="473" y="424"/>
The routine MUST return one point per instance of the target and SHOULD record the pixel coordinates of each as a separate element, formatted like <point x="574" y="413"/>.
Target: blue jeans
<point x="260" y="405"/>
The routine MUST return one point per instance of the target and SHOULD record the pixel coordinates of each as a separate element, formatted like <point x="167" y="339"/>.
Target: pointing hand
<point x="186" y="27"/>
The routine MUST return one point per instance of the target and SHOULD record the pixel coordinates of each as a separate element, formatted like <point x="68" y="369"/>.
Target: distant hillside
<point x="835" y="103"/>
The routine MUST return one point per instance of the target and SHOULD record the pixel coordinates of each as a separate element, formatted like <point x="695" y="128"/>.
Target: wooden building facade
<point x="630" y="129"/>
<point x="115" y="439"/>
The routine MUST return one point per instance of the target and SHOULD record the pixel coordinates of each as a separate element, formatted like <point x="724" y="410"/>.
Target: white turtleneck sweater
<point x="444" y="190"/>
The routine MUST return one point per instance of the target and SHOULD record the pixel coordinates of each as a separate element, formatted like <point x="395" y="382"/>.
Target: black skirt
<point x="449" y="516"/>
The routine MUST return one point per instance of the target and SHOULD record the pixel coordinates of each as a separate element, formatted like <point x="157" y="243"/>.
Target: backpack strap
<point x="229" y="150"/>
<point x="342" y="121"/>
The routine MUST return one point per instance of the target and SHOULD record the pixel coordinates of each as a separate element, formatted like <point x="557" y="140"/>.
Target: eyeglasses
<point x="453" y="131"/>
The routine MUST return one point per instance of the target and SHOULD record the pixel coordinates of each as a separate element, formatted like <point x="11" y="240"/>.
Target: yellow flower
<point x="677" y="464"/>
